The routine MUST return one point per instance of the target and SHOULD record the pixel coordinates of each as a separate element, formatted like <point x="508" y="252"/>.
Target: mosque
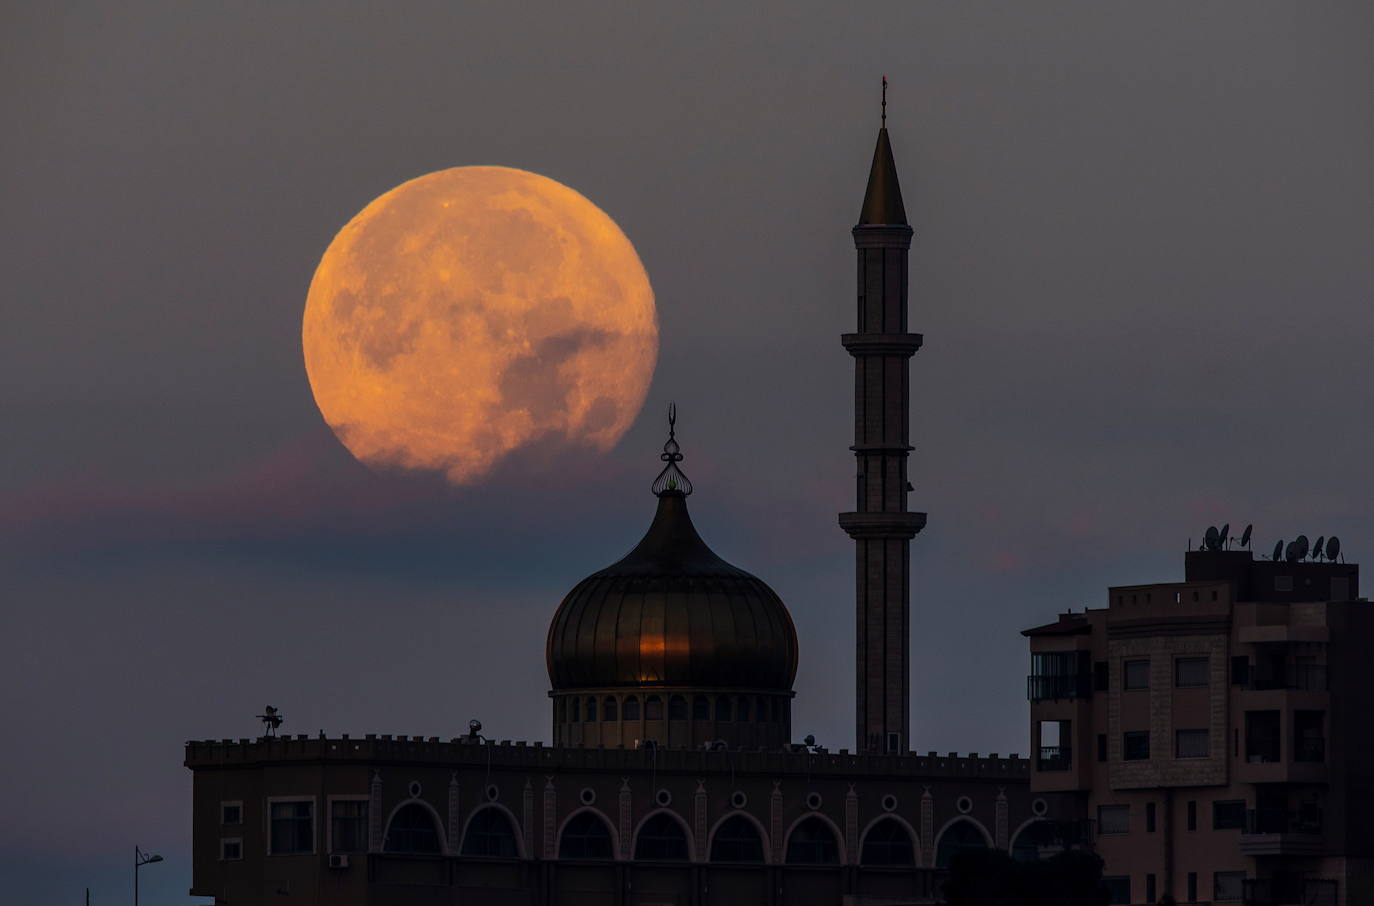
<point x="673" y="776"/>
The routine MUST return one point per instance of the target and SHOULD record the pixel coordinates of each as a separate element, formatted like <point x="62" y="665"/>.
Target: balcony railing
<point x="1309" y="749"/>
<point x="1262" y="751"/>
<point x="1282" y="821"/>
<point x="1290" y="892"/>
<point x="1042" y="687"/>
<point x="1055" y="758"/>
<point x="1306" y="677"/>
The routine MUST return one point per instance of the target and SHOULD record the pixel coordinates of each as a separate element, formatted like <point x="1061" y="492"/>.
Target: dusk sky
<point x="1142" y="265"/>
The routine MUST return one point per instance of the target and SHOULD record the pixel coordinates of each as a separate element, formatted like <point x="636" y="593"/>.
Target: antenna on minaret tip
<point x="884" y="102"/>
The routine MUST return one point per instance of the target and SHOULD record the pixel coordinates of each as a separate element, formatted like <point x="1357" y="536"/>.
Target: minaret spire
<point x="881" y="525"/>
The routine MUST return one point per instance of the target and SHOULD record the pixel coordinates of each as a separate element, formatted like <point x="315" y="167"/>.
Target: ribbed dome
<point x="672" y="613"/>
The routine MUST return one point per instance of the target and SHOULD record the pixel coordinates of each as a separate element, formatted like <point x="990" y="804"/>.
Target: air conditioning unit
<point x="338" y="861"/>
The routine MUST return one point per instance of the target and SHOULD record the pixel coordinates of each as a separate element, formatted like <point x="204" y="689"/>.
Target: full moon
<point x="473" y="311"/>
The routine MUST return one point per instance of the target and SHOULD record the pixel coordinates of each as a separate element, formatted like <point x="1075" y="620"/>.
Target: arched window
<point x="764" y="710"/>
<point x="608" y="711"/>
<point x="742" y="708"/>
<point x="813" y="843"/>
<point x="677" y="708"/>
<point x="959" y="837"/>
<point x="737" y="840"/>
<point x="560" y="710"/>
<point x="701" y="708"/>
<point x="888" y="843"/>
<point x="586" y="836"/>
<point x="572" y="711"/>
<point x="723" y="708"/>
<point x="1026" y="846"/>
<point x="490" y="833"/>
<point x="412" y="830"/>
<point x="591" y="708"/>
<point x="631" y="708"/>
<point x="661" y="839"/>
<point x="653" y="708"/>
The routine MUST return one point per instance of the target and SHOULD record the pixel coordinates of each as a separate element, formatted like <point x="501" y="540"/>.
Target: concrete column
<point x="527" y="818"/>
<point x="851" y="825"/>
<point x="1002" y="830"/>
<point x="699" y="820"/>
<point x="550" y="819"/>
<point x="775" y="821"/>
<point x="928" y="827"/>
<point x="374" y="814"/>
<point x="626" y="829"/>
<point x="455" y="829"/>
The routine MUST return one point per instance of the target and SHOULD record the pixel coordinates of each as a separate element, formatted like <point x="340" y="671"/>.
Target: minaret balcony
<point x="904" y="344"/>
<point x="882" y="525"/>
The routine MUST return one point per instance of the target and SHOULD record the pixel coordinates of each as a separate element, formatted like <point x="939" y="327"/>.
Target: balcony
<point x="1309" y="749"/>
<point x="1304" y="677"/>
<point x="1054" y="758"/>
<point x="1050" y="687"/>
<point x="1279" y="832"/>
<point x="1284" y="891"/>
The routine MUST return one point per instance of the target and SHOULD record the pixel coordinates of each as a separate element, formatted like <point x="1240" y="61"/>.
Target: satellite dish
<point x="1301" y="542"/>
<point x="1333" y="547"/>
<point x="1211" y="540"/>
<point x="1245" y="536"/>
<point x="1317" y="548"/>
<point x="809" y="740"/>
<point x="1290" y="552"/>
<point x="1225" y="534"/>
<point x="1278" y="550"/>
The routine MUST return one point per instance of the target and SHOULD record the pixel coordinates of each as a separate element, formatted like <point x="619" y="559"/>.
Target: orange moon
<point x="473" y="311"/>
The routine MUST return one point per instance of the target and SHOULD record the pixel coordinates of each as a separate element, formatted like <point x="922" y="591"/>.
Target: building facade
<point x="1214" y="732"/>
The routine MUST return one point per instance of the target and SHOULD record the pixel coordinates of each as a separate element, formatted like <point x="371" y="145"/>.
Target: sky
<point x="1141" y="265"/>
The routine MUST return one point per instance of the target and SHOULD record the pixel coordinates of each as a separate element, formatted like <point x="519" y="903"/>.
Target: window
<point x="631" y="708"/>
<point x="888" y="843"/>
<point x="1135" y="674"/>
<point x="737" y="840"/>
<point x="490" y="834"/>
<point x="1192" y="814"/>
<point x="765" y="713"/>
<point x="586" y="836"/>
<point x="1283" y="583"/>
<point x="1056" y="750"/>
<point x="591" y="709"/>
<point x="1118" y="889"/>
<point x="1240" y="670"/>
<point x="413" y="830"/>
<point x="348" y="826"/>
<point x="1262" y="737"/>
<point x="961" y="836"/>
<point x="653" y="708"/>
<point x="573" y="711"/>
<point x="723" y="708"/>
<point x="608" y="709"/>
<point x="1101" y="672"/>
<point x="1149" y="888"/>
<point x="742" y="708"/>
<point x="813" y="843"/>
<point x="231" y="813"/>
<point x="1309" y="743"/>
<point x="1149" y="817"/>
<point x="1228" y="814"/>
<point x="1101" y="746"/>
<point x="1191" y="671"/>
<point x="230" y="849"/>
<point x="560" y="710"/>
<point x="1113" y="819"/>
<point x="894" y="742"/>
<point x="677" y="708"/>
<point x="1033" y="837"/>
<point x="661" y="839"/>
<point x="1192" y="887"/>
<point x="701" y="708"/>
<point x="1228" y="885"/>
<point x="1135" y="745"/>
<point x="1192" y="744"/>
<point x="292" y="828"/>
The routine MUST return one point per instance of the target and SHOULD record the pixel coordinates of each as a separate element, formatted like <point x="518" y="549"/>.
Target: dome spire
<point x="671" y="480"/>
<point x="883" y="198"/>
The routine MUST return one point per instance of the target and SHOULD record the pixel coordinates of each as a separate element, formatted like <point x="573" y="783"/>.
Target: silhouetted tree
<point x="983" y="877"/>
<point x="990" y="877"/>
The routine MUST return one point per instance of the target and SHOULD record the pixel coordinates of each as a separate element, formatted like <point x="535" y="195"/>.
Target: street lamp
<point x="141" y="859"/>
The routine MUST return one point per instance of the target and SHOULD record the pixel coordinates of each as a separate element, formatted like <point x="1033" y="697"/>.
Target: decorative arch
<point x="1027" y="825"/>
<point x="686" y="830"/>
<point x="434" y="816"/>
<point x="510" y="816"/>
<point x="818" y="816"/>
<point x="953" y="822"/>
<point x="758" y="827"/>
<point x="898" y="819"/>
<point x="610" y="826"/>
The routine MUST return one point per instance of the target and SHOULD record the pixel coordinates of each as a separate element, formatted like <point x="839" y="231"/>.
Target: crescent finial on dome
<point x="671" y="480"/>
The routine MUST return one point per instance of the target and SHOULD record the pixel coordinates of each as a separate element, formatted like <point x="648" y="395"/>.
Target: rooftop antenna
<point x="1301" y="543"/>
<point x="1226" y="534"/>
<point x="1333" y="548"/>
<point x="1278" y="550"/>
<point x="884" y="102"/>
<point x="1245" y="536"/>
<point x="1317" y="548"/>
<point x="271" y="718"/>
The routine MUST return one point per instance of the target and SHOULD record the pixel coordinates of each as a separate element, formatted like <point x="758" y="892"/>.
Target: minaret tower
<point x="881" y="525"/>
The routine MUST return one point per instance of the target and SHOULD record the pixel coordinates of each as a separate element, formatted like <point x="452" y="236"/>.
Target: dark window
<point x="586" y="836"/>
<point x="813" y="843"/>
<point x="491" y="834"/>
<point x="1261" y="737"/>
<point x="591" y="708"/>
<point x="1135" y="674"/>
<point x="573" y="715"/>
<point x="1101" y="746"/>
<point x="742" y="708"/>
<point x="1228" y="885"/>
<point x="653" y="708"/>
<point x="1191" y="671"/>
<point x="1027" y="845"/>
<point x="1309" y="743"/>
<point x="888" y="843"/>
<point x="348" y="826"/>
<point x="1113" y="819"/>
<point x="1192" y="744"/>
<point x="1101" y="672"/>
<point x="1149" y="817"/>
<point x="1056" y="749"/>
<point x="560" y="710"/>
<point x="1240" y="670"/>
<point x="1192" y="814"/>
<point x="737" y="840"/>
<point x="631" y="708"/>
<point x="608" y="711"/>
<point x="1192" y="887"/>
<point x="231" y="850"/>
<point x="1228" y="814"/>
<point x="231" y="813"/>
<point x="661" y="839"/>
<point x="413" y="830"/>
<point x="723" y="708"/>
<point x="701" y="708"/>
<point x="765" y="713"/>
<point x="677" y="708"/>
<point x="293" y="827"/>
<point x="1149" y="888"/>
<point x="1118" y="889"/>
<point x="961" y="836"/>
<point x="1135" y="745"/>
<point x="1214" y="595"/>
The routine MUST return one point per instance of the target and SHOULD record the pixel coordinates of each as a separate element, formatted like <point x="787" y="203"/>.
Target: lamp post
<point x="141" y="859"/>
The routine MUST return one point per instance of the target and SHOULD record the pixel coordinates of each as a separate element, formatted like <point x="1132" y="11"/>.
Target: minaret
<point x="881" y="526"/>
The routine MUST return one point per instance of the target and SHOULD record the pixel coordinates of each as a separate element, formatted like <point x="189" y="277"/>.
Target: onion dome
<point x="672" y="613"/>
